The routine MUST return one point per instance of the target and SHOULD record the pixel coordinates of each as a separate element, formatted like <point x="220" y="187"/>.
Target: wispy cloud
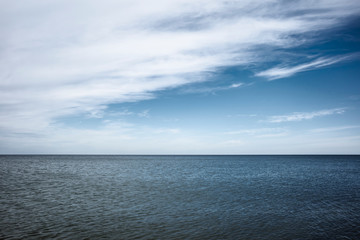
<point x="144" y="114"/>
<point x="167" y="130"/>
<point x="299" y="116"/>
<point x="64" y="57"/>
<point x="212" y="89"/>
<point x="261" y="132"/>
<point x="287" y="71"/>
<point x="243" y="115"/>
<point x="332" y="129"/>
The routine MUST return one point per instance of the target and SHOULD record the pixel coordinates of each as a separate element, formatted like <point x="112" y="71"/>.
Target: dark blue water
<point x="180" y="197"/>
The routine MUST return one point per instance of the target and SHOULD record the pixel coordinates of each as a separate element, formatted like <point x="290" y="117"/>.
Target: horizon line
<point x="249" y="154"/>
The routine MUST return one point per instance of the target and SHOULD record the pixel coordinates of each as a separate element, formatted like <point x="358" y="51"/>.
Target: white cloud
<point x="144" y="114"/>
<point x="261" y="132"/>
<point x="64" y="57"/>
<point x="236" y="85"/>
<point x="243" y="115"/>
<point x="167" y="130"/>
<point x="283" y="72"/>
<point x="212" y="89"/>
<point x="333" y="129"/>
<point x="299" y="116"/>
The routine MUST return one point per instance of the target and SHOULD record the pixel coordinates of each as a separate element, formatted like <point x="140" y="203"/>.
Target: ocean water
<point x="179" y="197"/>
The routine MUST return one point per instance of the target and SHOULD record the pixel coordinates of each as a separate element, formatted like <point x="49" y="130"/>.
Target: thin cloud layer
<point x="66" y="57"/>
<point x="333" y="129"/>
<point x="299" y="116"/>
<point x="261" y="132"/>
<point x="282" y="72"/>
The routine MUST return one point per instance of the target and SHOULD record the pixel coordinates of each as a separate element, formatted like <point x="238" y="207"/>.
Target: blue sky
<point x="180" y="77"/>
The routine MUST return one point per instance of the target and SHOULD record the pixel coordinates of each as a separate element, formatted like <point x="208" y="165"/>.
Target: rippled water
<point x="180" y="197"/>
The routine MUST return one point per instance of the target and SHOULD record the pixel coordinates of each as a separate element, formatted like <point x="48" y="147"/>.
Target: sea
<point x="179" y="197"/>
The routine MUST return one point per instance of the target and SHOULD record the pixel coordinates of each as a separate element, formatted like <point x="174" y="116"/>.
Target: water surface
<point x="179" y="197"/>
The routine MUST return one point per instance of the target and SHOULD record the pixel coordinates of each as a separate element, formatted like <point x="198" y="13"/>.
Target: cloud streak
<point x="300" y="116"/>
<point x="334" y="129"/>
<point x="213" y="89"/>
<point x="261" y="132"/>
<point x="283" y="72"/>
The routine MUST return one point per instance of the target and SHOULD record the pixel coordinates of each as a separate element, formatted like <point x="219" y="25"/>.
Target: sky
<point x="180" y="77"/>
